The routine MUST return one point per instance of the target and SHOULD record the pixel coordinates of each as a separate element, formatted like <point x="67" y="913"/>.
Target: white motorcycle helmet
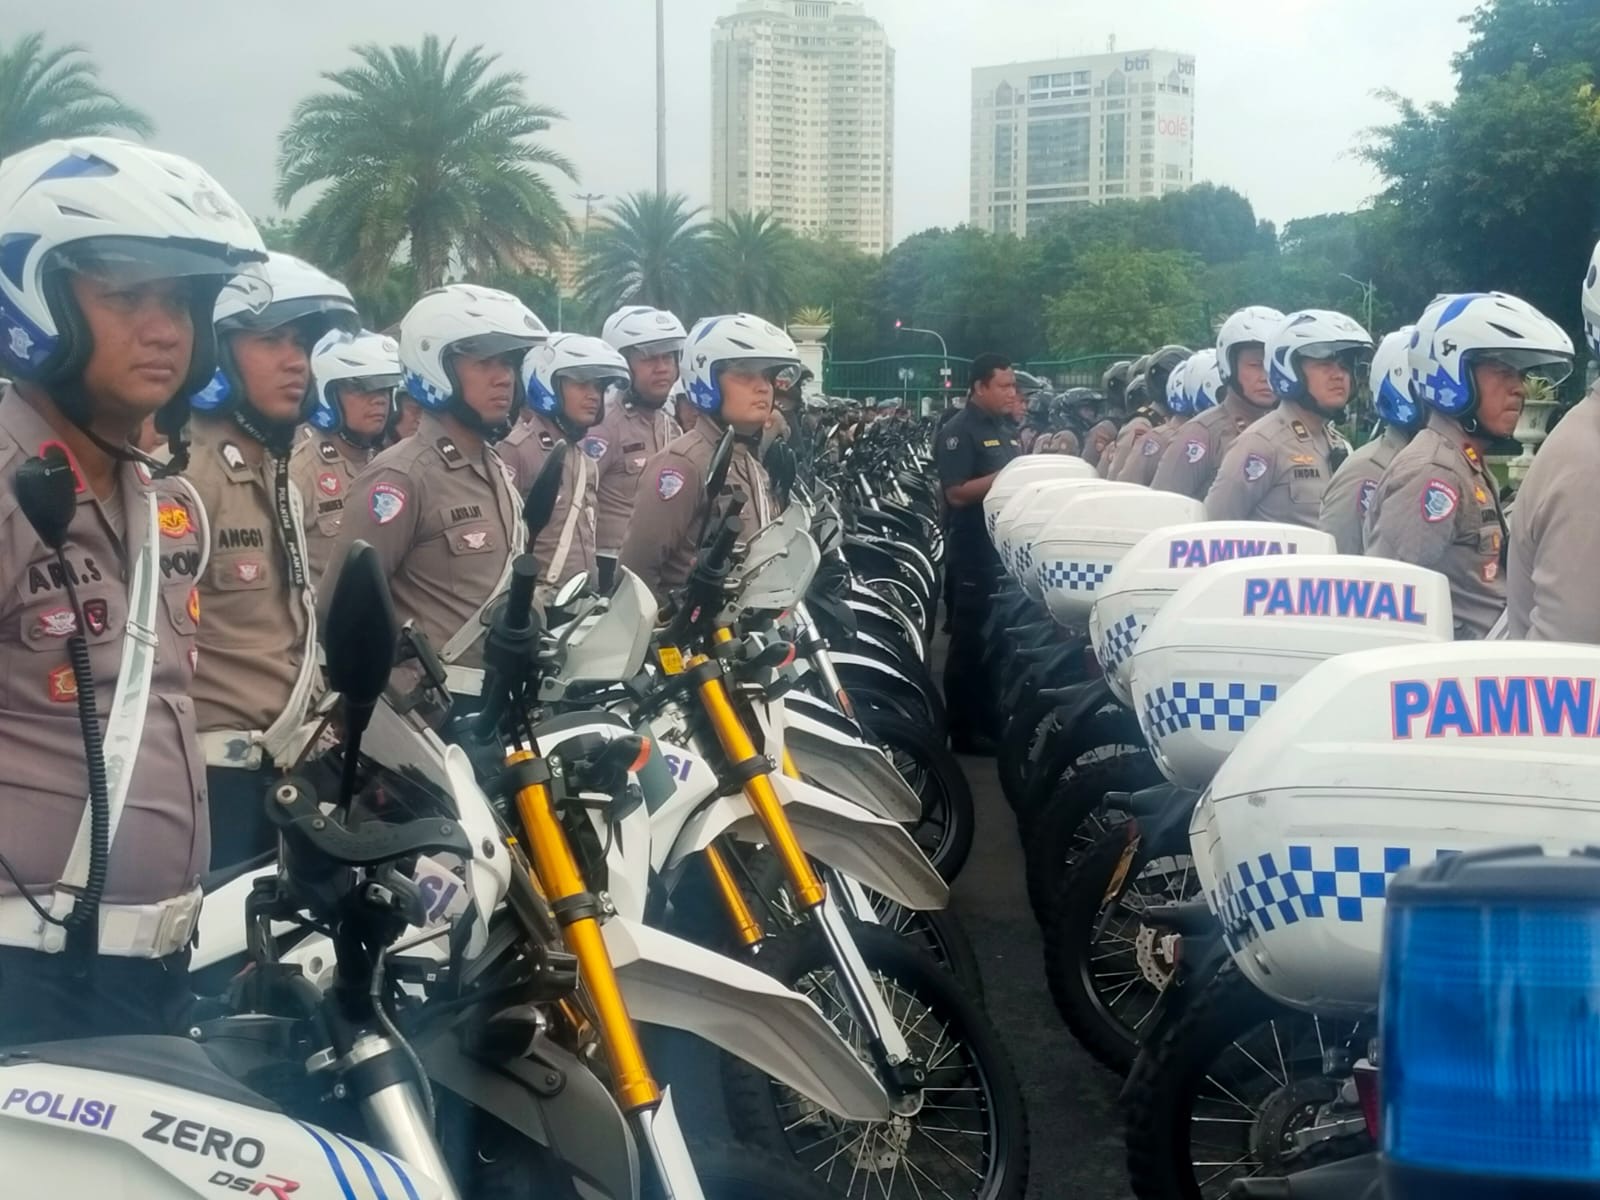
<point x="1248" y="327"/>
<point x="569" y="356"/>
<point x="714" y="342"/>
<point x="1591" y="304"/>
<point x="1177" y="397"/>
<point x="1314" y="333"/>
<point x="302" y="296"/>
<point x="645" y="329"/>
<point x="462" y="318"/>
<point x="370" y="361"/>
<point x="1390" y="381"/>
<point x="101" y="204"/>
<point x="1455" y="331"/>
<point x="1202" y="380"/>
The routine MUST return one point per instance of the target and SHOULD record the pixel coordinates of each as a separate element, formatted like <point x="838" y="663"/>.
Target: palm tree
<point x="56" y="93"/>
<point x="648" y="250"/>
<point x="753" y="259"/>
<point x="423" y="148"/>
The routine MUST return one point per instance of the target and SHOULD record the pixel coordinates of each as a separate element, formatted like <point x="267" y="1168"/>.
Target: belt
<point x="126" y="930"/>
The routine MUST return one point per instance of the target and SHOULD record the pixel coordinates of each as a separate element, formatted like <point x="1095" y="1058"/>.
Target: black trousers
<point x="605" y="566"/>
<point x="968" y="696"/>
<point x="46" y="998"/>
<point x="239" y="826"/>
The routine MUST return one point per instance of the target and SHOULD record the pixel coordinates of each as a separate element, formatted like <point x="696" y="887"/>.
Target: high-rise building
<point x="1078" y="131"/>
<point x="802" y="118"/>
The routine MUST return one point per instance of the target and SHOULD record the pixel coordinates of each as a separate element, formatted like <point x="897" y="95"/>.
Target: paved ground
<point x="1072" y="1110"/>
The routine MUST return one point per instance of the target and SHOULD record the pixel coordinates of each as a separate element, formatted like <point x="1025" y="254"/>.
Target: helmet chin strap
<point x="638" y="401"/>
<point x="464" y="412"/>
<point x="73" y="403"/>
<point x="276" y="436"/>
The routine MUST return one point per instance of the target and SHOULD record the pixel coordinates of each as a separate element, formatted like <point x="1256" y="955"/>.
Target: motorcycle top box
<point x="1029" y="469"/>
<point x="1163" y="561"/>
<point x="1234" y="638"/>
<point x="1382" y="760"/>
<point x="1076" y="550"/>
<point x="1027" y="512"/>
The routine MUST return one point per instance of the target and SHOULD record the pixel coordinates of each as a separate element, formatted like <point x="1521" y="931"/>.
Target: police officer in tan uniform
<point x="638" y="420"/>
<point x="1173" y="409"/>
<point x="1190" y="462"/>
<point x="257" y="664"/>
<point x="440" y="508"/>
<point x="1350" y="491"/>
<point x="103" y="323"/>
<point x="1438" y="505"/>
<point x="1278" y="468"/>
<point x="566" y="380"/>
<point x="1152" y="413"/>
<point x="1555" y="540"/>
<point x="731" y="365"/>
<point x="353" y="380"/>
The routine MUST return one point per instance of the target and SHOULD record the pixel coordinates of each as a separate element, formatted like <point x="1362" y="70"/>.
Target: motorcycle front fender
<point x="874" y="852"/>
<point x="847" y="766"/>
<point x="668" y="981"/>
<point x="578" y="1120"/>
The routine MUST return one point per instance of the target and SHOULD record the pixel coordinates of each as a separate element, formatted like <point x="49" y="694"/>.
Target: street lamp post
<point x="944" y="353"/>
<point x="1368" y="289"/>
<point x="589" y="199"/>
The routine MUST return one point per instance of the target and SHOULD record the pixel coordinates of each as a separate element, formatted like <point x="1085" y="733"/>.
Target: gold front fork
<point x="557" y="873"/>
<point x="745" y="923"/>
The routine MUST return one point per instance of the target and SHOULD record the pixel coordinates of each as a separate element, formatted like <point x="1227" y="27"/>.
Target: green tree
<point x="1539" y="34"/>
<point x="751" y="260"/>
<point x="1122" y="298"/>
<point x="279" y="233"/>
<point x="56" y="93"/>
<point x="650" y="250"/>
<point x="425" y="149"/>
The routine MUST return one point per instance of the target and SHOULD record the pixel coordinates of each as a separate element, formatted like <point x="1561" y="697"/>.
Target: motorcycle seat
<point x="175" y="1061"/>
<point x="1150" y="801"/>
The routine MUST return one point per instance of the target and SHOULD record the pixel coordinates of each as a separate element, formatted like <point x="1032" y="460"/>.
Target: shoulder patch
<point x="173" y="519"/>
<point x="327" y="451"/>
<point x="1300" y="430"/>
<point x="1439" y="501"/>
<point x="669" y="482"/>
<point x="232" y="456"/>
<point x="594" y="447"/>
<point x="545" y="440"/>
<point x="1472" y="454"/>
<point x="1151" y="446"/>
<point x="328" y="483"/>
<point x="951" y="442"/>
<point x="1364" y="494"/>
<point x="449" y="451"/>
<point x="1254" y="467"/>
<point x="386" y="501"/>
<point x="1194" y="450"/>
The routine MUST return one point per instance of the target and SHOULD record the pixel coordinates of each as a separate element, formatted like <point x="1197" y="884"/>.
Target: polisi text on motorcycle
<point x="58" y="1106"/>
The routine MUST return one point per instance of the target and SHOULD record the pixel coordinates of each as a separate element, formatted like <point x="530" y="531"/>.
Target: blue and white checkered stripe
<point x="1024" y="560"/>
<point x="1117" y="642"/>
<point x="1205" y="705"/>
<point x="1334" y="883"/>
<point x="1073" y="576"/>
<point x="423" y="392"/>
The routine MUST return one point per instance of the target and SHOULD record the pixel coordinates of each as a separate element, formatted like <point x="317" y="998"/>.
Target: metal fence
<point x="920" y="376"/>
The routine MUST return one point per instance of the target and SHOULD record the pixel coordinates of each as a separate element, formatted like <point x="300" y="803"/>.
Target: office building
<point x="1078" y="131"/>
<point x="802" y="118"/>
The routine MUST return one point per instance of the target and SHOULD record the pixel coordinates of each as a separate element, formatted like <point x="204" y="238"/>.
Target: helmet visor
<point x="652" y="349"/>
<point x="492" y="345"/>
<point x="372" y="383"/>
<point x="593" y="373"/>
<point x="322" y="313"/>
<point x="136" y="260"/>
<point x="1548" y="365"/>
<point x="780" y="372"/>
<point x="1352" y="351"/>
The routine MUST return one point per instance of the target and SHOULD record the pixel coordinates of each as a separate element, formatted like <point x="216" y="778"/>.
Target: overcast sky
<point x="1284" y="88"/>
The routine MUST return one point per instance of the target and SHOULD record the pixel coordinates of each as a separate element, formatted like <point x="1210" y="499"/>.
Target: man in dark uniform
<point x="972" y="448"/>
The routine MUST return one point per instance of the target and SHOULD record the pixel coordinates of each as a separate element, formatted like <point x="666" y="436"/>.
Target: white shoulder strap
<point x="462" y="640"/>
<point x="125" y="728"/>
<point x="281" y="734"/>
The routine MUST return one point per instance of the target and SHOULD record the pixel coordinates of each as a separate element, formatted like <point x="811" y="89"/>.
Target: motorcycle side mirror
<point x="721" y="459"/>
<point x="359" y="639"/>
<point x="570" y="591"/>
<point x="541" y="501"/>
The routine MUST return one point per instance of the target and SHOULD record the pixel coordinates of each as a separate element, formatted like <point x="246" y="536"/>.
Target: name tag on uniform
<point x="991" y="441"/>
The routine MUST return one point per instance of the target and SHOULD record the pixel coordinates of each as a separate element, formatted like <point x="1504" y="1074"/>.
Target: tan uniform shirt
<point x="164" y="839"/>
<point x="323" y="471"/>
<point x="1349" y="494"/>
<point x="1552" y="593"/>
<point x="667" y="517"/>
<point x="1116" y="456"/>
<point x="627" y="435"/>
<point x="442" y="522"/>
<point x="1190" y="462"/>
<point x="565" y="546"/>
<point x="253" y="641"/>
<point x="1108" y="428"/>
<point x="1141" y="465"/>
<point x="1277" y="470"/>
<point x="1438" y="506"/>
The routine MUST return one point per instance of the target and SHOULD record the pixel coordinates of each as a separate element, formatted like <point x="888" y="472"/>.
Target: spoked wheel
<point x="905" y="598"/>
<point x="937" y="933"/>
<point x="948" y="821"/>
<point x="1105" y="965"/>
<point x="1234" y="1089"/>
<point x="729" y="1172"/>
<point x="967" y="1139"/>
